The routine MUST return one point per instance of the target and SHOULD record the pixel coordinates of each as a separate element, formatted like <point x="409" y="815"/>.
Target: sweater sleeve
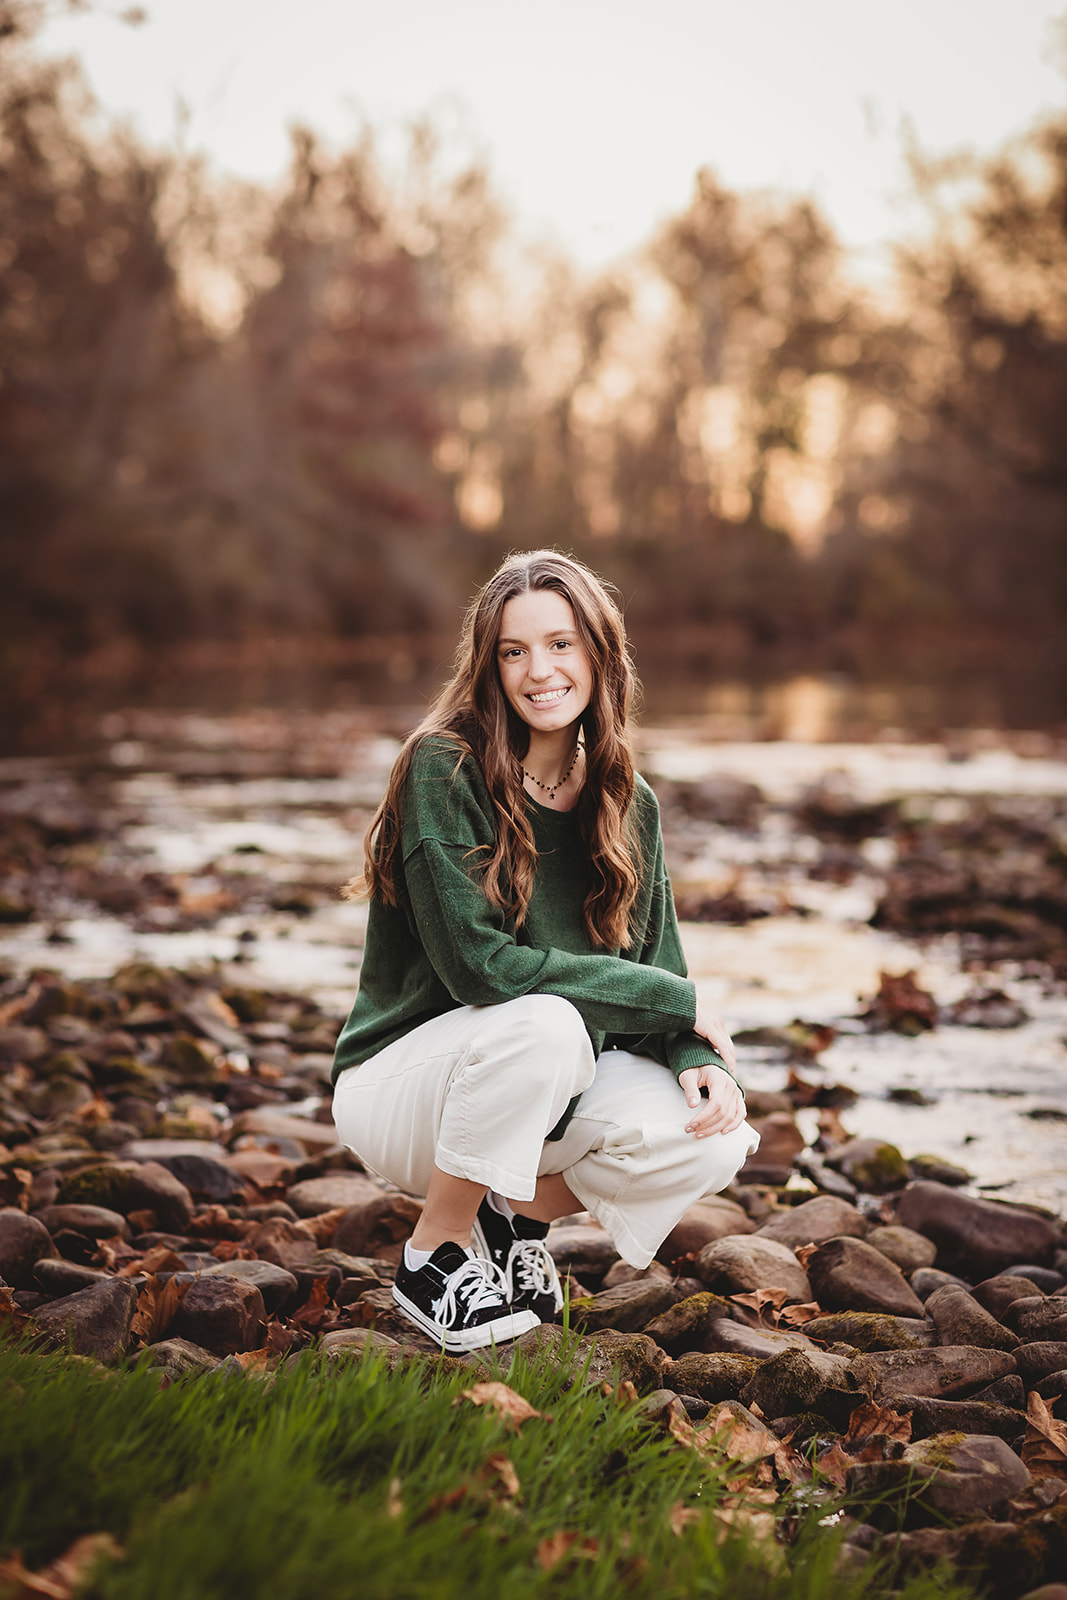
<point x="662" y="948"/>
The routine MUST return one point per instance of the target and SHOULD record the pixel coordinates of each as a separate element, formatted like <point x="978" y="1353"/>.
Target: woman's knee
<point x="551" y="1032"/>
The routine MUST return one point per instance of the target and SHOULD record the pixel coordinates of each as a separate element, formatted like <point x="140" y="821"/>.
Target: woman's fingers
<point x="722" y="1112"/>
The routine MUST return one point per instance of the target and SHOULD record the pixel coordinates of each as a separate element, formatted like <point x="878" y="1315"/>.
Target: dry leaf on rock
<point x="159" y="1259"/>
<point x="1044" y="1448"/>
<point x="551" y="1551"/>
<point x="736" y="1439"/>
<point x="796" y="1316"/>
<point x="324" y="1226"/>
<point x="315" y="1308"/>
<point x="512" y="1408"/>
<point x="252" y="1360"/>
<point x="766" y="1303"/>
<point x="61" y="1577"/>
<point x="11" y="1315"/>
<point x="156" y="1307"/>
<point x="870" y="1423"/>
<point x="804" y="1253"/>
<point x="834" y="1464"/>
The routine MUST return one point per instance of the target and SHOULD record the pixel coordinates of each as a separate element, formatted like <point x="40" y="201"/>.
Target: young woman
<point x="525" y="1043"/>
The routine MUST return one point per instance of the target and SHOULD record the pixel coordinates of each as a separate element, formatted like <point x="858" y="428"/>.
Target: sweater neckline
<point x="550" y="811"/>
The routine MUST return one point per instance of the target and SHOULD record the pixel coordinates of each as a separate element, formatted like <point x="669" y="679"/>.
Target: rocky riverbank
<point x="840" y="1319"/>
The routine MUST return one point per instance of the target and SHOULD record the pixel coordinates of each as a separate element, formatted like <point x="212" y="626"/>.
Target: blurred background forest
<point x="286" y="431"/>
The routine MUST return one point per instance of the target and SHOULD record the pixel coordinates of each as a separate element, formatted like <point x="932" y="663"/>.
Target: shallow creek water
<point x="281" y="804"/>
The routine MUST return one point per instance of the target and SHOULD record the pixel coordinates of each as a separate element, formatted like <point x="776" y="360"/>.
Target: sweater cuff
<point x="692" y="1051"/>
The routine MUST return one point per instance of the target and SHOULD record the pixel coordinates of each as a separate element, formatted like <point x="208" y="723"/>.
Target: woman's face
<point x="544" y="666"/>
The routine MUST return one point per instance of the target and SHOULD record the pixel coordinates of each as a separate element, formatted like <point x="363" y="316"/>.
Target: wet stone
<point x="948" y="1370"/>
<point x="180" y="1356"/>
<point x="221" y="1313"/>
<point x="97" y="1222"/>
<point x="277" y="1286"/>
<point x="740" y="1265"/>
<point x="959" y="1319"/>
<point x="1046" y="1279"/>
<point x="627" y="1308"/>
<point x="871" y="1164"/>
<point x="930" y="1416"/>
<point x="850" y="1275"/>
<point x="712" y="1218"/>
<point x="815" y="1221"/>
<point x="94" y="1321"/>
<point x="57" y="1278"/>
<point x="1040" y="1359"/>
<point x="978" y="1237"/>
<point x="997" y="1294"/>
<point x="316" y="1195"/>
<point x="907" y="1249"/>
<point x="23" y="1242"/>
<point x="737" y="1338"/>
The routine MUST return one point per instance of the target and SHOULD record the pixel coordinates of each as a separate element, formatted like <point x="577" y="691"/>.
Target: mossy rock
<point x="102" y="1185"/>
<point x="66" y="1064"/>
<point x="885" y="1168"/>
<point x="250" y="1005"/>
<point x="127" y="1072"/>
<point x="864" y="1330"/>
<point x="142" y="980"/>
<point x="189" y="1058"/>
<point x="682" y="1326"/>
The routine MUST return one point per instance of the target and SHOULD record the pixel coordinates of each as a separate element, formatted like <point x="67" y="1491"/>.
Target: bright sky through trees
<point x="595" y="114"/>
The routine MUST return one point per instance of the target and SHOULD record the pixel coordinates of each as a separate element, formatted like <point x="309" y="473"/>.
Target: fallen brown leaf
<point x="766" y="1303"/>
<point x="869" y="1423"/>
<point x="12" y="1315"/>
<point x="834" y="1464"/>
<point x="252" y="1360"/>
<point x="159" y="1259"/>
<point x="551" y="1551"/>
<point x="1044" y="1448"/>
<point x="156" y="1306"/>
<point x="512" y="1408"/>
<point x="324" y="1226"/>
<point x="315" y="1308"/>
<point x="796" y="1316"/>
<point x="61" y="1577"/>
<point x="804" y="1253"/>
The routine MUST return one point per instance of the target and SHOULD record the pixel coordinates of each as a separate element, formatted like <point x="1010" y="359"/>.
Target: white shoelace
<point x="475" y="1286"/>
<point x="531" y="1269"/>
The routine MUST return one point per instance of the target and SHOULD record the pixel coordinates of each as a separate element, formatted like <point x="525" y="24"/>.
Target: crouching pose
<point x="525" y="1043"/>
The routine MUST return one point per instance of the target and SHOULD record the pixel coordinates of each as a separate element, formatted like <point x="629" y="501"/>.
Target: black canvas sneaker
<point x="516" y="1245"/>
<point x="460" y="1300"/>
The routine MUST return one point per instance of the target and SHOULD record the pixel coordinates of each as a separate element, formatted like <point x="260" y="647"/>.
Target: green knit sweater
<point x="443" y="945"/>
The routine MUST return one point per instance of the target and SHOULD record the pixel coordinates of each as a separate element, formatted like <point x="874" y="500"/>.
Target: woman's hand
<point x="713" y="1029"/>
<point x="722" y="1111"/>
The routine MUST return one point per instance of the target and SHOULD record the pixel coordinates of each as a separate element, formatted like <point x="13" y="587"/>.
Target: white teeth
<point x="547" y="698"/>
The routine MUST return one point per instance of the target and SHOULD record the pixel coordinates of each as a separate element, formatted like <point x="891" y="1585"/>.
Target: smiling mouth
<point x="548" y="697"/>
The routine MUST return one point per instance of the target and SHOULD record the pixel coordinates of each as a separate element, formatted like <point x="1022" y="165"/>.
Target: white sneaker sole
<point x="500" y="1330"/>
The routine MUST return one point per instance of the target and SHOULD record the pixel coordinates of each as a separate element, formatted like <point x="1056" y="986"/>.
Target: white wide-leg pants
<point x="476" y="1090"/>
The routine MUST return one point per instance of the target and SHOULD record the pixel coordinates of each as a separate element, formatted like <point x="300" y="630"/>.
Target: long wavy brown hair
<point x="474" y="713"/>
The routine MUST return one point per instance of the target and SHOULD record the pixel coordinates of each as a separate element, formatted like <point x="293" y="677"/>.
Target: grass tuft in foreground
<point x="356" y="1480"/>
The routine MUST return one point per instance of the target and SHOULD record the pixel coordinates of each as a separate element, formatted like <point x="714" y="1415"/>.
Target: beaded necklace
<point x="552" y="788"/>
